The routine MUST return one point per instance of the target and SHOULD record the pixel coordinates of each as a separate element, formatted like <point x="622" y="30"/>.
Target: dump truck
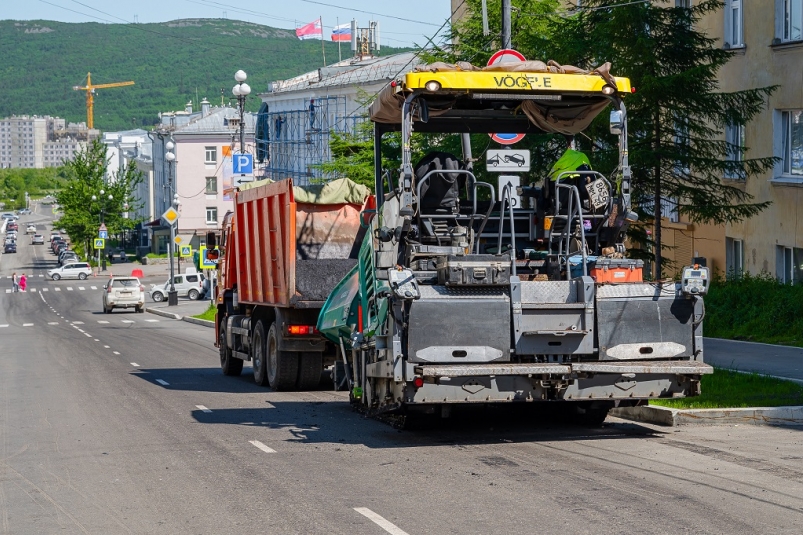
<point x="284" y="248"/>
<point x="487" y="292"/>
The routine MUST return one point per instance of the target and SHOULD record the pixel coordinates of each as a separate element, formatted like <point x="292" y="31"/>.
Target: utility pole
<point x="506" y="38"/>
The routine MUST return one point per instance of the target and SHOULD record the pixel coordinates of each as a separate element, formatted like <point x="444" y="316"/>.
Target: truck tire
<point x="309" y="370"/>
<point x="230" y="365"/>
<point x="589" y="414"/>
<point x="282" y="366"/>
<point x="258" y="354"/>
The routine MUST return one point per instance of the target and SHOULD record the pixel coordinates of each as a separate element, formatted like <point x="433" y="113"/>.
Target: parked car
<point x="62" y="246"/>
<point x="190" y="285"/>
<point x="123" y="292"/>
<point x="37" y="239"/>
<point x="10" y="247"/>
<point x="30" y="229"/>
<point x="71" y="270"/>
<point x="68" y="256"/>
<point x="12" y="226"/>
<point x="12" y="234"/>
<point x="8" y="216"/>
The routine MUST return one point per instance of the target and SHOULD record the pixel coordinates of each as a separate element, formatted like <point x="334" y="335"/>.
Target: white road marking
<point x="97" y="340"/>
<point x="88" y="335"/>
<point x="261" y="446"/>
<point x="102" y="321"/>
<point x="93" y="287"/>
<point x="134" y="364"/>
<point x="128" y="321"/>
<point x="204" y="409"/>
<point x="27" y="324"/>
<point x="52" y="323"/>
<point x="4" y="325"/>
<point x="44" y="289"/>
<point x="69" y="288"/>
<point x="116" y="352"/>
<point x="33" y="289"/>
<point x="41" y="275"/>
<point x="107" y="347"/>
<point x="8" y="290"/>
<point x="57" y="289"/>
<point x="78" y="323"/>
<point x="380" y="521"/>
<point x="81" y="288"/>
<point x="152" y="321"/>
<point x="163" y="383"/>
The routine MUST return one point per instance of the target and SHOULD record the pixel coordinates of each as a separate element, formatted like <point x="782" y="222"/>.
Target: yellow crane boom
<point x="90" y="96"/>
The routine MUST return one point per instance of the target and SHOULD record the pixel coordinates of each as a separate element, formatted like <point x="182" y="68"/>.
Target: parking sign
<point x="242" y="164"/>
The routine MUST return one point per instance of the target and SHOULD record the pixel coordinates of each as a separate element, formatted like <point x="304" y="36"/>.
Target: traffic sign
<point x="242" y="164"/>
<point x="182" y="239"/>
<point x="506" y="160"/>
<point x="506" y="55"/>
<point x="104" y="234"/>
<point x="100" y="243"/>
<point x="171" y="216"/>
<point x="185" y="250"/>
<point x="205" y="262"/>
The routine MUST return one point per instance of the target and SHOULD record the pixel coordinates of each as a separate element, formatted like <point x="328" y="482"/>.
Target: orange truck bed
<point x="282" y="253"/>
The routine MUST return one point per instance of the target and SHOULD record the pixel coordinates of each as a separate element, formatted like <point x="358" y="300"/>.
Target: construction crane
<point x="90" y="96"/>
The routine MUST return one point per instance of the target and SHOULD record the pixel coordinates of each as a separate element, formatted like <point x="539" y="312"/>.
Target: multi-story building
<point x="202" y="171"/>
<point x="37" y="142"/>
<point x="768" y="51"/>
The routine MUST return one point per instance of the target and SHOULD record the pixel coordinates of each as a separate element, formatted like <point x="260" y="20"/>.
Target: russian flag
<point x="342" y="32"/>
<point x="312" y="30"/>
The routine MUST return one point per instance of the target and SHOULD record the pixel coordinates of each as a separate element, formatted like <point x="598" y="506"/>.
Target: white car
<point x="72" y="270"/>
<point x="30" y="229"/>
<point x="123" y="292"/>
<point x="187" y="284"/>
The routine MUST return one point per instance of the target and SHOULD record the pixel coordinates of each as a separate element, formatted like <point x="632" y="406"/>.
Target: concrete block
<point x="777" y="416"/>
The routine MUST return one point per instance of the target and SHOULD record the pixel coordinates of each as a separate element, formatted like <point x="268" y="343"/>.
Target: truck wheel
<point x="309" y="371"/>
<point x="589" y="415"/>
<point x="228" y="363"/>
<point x="258" y="354"/>
<point x="282" y="366"/>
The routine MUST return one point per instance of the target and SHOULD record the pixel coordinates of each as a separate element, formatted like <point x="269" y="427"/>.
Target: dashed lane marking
<point x="52" y="323"/>
<point x="380" y="521"/>
<point x="103" y="321"/>
<point x="69" y="288"/>
<point x="116" y="352"/>
<point x="41" y="275"/>
<point x="93" y="287"/>
<point x="134" y="364"/>
<point x="260" y="445"/>
<point x="45" y="289"/>
<point x="152" y="321"/>
<point x="88" y="335"/>
<point x="8" y="290"/>
<point x="204" y="409"/>
<point x="106" y="347"/>
<point x="163" y="383"/>
<point x="78" y="323"/>
<point x="4" y="325"/>
<point x="129" y="321"/>
<point x="27" y="324"/>
<point x="57" y="289"/>
<point x="81" y="288"/>
<point x="33" y="290"/>
<point x="97" y="340"/>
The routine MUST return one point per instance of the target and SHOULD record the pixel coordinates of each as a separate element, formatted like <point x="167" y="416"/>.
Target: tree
<point x="86" y="177"/>
<point x="676" y="117"/>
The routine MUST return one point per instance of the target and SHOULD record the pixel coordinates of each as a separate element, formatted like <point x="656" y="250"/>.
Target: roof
<point x="217" y="122"/>
<point x="350" y="72"/>
<point x="527" y="96"/>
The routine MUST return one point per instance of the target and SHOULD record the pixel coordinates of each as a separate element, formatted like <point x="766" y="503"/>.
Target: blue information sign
<point x="243" y="164"/>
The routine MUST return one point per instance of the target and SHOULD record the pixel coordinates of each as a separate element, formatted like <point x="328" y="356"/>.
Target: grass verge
<point x="732" y="389"/>
<point x="208" y="314"/>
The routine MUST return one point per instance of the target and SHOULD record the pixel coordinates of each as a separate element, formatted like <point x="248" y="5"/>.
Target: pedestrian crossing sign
<point x="185" y="250"/>
<point x="205" y="261"/>
<point x="100" y="243"/>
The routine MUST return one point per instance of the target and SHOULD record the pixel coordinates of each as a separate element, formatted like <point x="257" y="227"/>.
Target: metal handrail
<point x="507" y="196"/>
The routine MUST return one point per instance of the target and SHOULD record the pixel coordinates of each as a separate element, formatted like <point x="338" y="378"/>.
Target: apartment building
<point x="40" y="141"/>
<point x="767" y="38"/>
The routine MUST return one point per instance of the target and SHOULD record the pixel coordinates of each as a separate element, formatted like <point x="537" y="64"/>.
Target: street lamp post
<point x="102" y="200"/>
<point x="172" y="294"/>
<point x="241" y="91"/>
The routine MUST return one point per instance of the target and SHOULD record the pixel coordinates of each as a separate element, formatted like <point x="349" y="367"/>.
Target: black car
<point x="10" y="247"/>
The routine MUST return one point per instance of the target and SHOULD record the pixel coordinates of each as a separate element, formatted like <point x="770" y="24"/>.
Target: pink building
<point x="202" y="171"/>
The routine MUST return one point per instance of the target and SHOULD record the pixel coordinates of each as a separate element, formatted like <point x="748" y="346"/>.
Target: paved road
<point x="129" y="427"/>
<point x="763" y="358"/>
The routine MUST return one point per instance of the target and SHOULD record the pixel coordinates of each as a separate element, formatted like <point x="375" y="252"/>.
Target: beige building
<point x="40" y="141"/>
<point x="768" y="40"/>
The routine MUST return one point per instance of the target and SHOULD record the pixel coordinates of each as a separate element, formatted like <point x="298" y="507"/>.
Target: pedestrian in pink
<point x="23" y="282"/>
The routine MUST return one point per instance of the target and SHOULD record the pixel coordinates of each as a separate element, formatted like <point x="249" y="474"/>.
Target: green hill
<point x="171" y="64"/>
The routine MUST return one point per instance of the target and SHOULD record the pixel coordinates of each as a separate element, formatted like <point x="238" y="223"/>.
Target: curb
<point x="162" y="313"/>
<point x="205" y="323"/>
<point x="774" y="416"/>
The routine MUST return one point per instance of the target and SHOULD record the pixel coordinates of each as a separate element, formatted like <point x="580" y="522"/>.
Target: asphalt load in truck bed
<point x="316" y="278"/>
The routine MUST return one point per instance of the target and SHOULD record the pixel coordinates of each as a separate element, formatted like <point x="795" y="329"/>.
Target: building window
<point x="211" y="185"/>
<point x="734" y="257"/>
<point x="792" y="143"/>
<point x="734" y="137"/>
<point x="792" y="20"/>
<point x="789" y="264"/>
<point x="211" y="215"/>
<point x="734" y="37"/>
<point x="211" y="155"/>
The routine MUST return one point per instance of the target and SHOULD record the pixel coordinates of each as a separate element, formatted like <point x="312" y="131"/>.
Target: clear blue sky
<point x="423" y="17"/>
